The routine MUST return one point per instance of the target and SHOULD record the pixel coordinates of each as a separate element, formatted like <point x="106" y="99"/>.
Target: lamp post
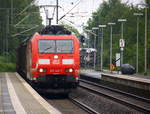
<point x="122" y="22"/>
<point x="145" y="68"/>
<point x="102" y="42"/>
<point x="88" y="33"/>
<point x="137" y="40"/>
<point x="95" y="28"/>
<point x="111" y="24"/>
<point x="145" y="42"/>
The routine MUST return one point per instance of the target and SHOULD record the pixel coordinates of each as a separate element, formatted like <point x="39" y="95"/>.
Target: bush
<point x="6" y="67"/>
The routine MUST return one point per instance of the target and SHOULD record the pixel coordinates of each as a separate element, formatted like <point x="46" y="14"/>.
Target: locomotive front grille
<point x="56" y="81"/>
<point x="56" y="78"/>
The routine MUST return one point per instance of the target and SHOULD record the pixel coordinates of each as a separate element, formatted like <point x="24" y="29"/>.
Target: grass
<point x="5" y="66"/>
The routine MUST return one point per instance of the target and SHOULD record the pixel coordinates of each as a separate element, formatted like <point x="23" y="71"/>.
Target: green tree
<point x="111" y="11"/>
<point x="71" y="28"/>
<point x="17" y="17"/>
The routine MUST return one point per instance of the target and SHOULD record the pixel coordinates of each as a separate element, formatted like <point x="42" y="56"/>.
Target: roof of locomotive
<point x="54" y="30"/>
<point x="50" y="30"/>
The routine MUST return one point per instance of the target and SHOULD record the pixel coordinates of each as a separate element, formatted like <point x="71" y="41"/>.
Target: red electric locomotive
<point x="50" y="58"/>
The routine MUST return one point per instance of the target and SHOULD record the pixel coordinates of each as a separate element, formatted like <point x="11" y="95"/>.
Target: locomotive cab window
<point x="55" y="46"/>
<point x="46" y="46"/>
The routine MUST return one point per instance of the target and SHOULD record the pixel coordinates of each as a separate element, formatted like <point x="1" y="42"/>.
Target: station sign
<point x="122" y="43"/>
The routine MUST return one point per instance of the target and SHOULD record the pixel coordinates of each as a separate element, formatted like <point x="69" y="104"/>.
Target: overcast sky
<point x="80" y="14"/>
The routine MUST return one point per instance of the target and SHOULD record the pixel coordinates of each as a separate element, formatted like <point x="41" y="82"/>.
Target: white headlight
<point x="77" y="78"/>
<point x="55" y="56"/>
<point x="41" y="70"/>
<point x="70" y="70"/>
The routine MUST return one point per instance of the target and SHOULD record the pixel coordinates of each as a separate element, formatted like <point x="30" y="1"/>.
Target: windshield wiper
<point x="46" y="49"/>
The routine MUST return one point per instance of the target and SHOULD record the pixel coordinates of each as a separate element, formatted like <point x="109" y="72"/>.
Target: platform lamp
<point x="122" y="23"/>
<point x="145" y="42"/>
<point x="95" y="28"/>
<point x="111" y="29"/>
<point x="102" y="42"/>
<point x="137" y="40"/>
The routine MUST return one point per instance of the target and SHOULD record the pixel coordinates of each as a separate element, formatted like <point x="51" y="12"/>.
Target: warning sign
<point x="112" y="67"/>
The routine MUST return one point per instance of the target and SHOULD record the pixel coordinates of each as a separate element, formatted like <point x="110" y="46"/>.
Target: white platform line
<point x="14" y="99"/>
<point x="47" y="106"/>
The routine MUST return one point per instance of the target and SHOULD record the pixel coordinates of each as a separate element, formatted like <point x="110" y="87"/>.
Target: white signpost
<point x="117" y="59"/>
<point x="122" y="45"/>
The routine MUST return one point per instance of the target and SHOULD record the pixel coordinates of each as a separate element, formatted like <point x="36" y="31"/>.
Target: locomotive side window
<point x="55" y="46"/>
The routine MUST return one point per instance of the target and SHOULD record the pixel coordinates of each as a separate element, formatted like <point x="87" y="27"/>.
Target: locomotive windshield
<point x="55" y="46"/>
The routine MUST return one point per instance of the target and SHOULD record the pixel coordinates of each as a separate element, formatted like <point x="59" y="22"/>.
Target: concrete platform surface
<point x="137" y="81"/>
<point x="98" y="74"/>
<point x="18" y="97"/>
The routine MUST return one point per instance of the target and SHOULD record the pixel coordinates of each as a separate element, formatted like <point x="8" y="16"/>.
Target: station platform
<point x="136" y="81"/>
<point x="18" y="97"/>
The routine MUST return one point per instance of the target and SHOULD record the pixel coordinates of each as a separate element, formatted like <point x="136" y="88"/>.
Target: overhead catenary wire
<point x="27" y="7"/>
<point x="69" y="10"/>
<point x="25" y="31"/>
<point x="23" y="12"/>
<point x="22" y="20"/>
<point x="72" y="23"/>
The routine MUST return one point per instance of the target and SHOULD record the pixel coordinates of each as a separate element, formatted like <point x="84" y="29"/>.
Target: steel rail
<point x="117" y="99"/>
<point x="118" y="91"/>
<point x="83" y="106"/>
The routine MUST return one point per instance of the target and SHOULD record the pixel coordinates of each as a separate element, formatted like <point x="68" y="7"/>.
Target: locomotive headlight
<point x="55" y="56"/>
<point x="70" y="70"/>
<point x="41" y="70"/>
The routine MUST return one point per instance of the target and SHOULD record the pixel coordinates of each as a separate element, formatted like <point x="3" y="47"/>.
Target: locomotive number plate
<point x="56" y="62"/>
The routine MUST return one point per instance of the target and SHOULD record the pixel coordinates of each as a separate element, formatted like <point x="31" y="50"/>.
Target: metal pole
<point x="88" y="40"/>
<point x="110" y="45"/>
<point x="111" y="24"/>
<point x="122" y="38"/>
<point x="7" y="34"/>
<point x="46" y="12"/>
<point x="95" y="41"/>
<point x="12" y="12"/>
<point x="122" y="47"/>
<point x="145" y="62"/>
<point x="137" y="46"/>
<point x="1" y="38"/>
<point x="56" y="11"/>
<point x="102" y="51"/>
<point x="95" y="28"/>
<point x="95" y="52"/>
<point x="137" y="41"/>
<point x="88" y="34"/>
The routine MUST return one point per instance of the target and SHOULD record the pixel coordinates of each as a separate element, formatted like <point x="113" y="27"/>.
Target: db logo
<point x="56" y="62"/>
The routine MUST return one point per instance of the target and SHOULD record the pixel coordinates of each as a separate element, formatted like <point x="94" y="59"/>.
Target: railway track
<point x="68" y="105"/>
<point x="133" y="101"/>
<point x="83" y="106"/>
